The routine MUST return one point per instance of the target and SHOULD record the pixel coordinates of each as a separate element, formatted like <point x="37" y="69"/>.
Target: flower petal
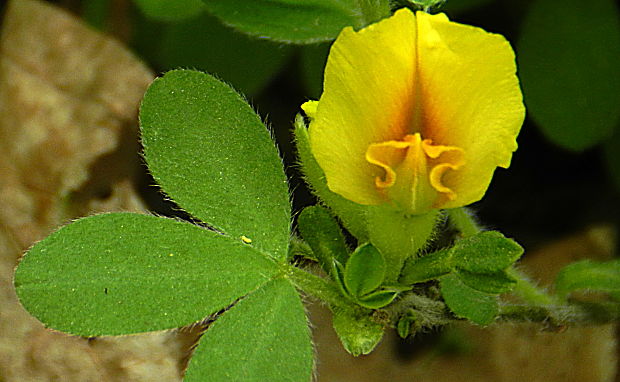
<point x="310" y="108"/>
<point x="416" y="111"/>
<point x="368" y="97"/>
<point x="471" y="99"/>
<point x="387" y="155"/>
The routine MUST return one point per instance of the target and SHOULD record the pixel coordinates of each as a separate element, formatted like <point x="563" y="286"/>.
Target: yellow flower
<point x="417" y="112"/>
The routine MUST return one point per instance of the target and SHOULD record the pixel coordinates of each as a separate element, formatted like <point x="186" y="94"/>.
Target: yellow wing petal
<point x="471" y="100"/>
<point x="368" y="98"/>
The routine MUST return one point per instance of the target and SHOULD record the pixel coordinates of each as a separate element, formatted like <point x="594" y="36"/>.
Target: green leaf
<point x="377" y="299"/>
<point x="589" y="275"/>
<point x="427" y="267"/>
<point x="264" y="337"/>
<point x="204" y="43"/>
<point x="357" y="331"/>
<point x="493" y="283"/>
<point x="167" y="10"/>
<point x="321" y="231"/>
<point x="212" y="155"/>
<point x="352" y="215"/>
<point x="568" y="61"/>
<point x="365" y="270"/>
<point x="298" y="21"/>
<point x="486" y="252"/>
<point x="478" y="307"/>
<point x="126" y="273"/>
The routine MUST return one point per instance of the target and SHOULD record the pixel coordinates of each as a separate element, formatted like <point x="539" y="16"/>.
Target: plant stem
<point x="317" y="287"/>
<point x="527" y="291"/>
<point x="464" y="221"/>
<point x="429" y="312"/>
<point x="557" y="316"/>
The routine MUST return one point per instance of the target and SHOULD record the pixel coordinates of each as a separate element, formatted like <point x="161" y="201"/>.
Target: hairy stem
<point x="576" y="313"/>
<point x="430" y="312"/>
<point x="527" y="291"/>
<point x="318" y="287"/>
<point x="464" y="221"/>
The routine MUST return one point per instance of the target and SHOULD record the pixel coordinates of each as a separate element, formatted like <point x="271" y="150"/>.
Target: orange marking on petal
<point x="387" y="155"/>
<point x="445" y="158"/>
<point x="426" y="164"/>
<point x="436" y="179"/>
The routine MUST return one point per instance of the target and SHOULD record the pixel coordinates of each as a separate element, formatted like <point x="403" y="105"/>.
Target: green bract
<point x="321" y="231"/>
<point x="364" y="271"/>
<point x="485" y="252"/>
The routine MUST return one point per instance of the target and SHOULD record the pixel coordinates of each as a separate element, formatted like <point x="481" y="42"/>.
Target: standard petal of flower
<point x="471" y="100"/>
<point x="369" y="97"/>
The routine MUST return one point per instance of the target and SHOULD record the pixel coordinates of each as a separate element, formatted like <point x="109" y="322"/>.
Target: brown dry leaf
<point x="502" y="353"/>
<point x="68" y="105"/>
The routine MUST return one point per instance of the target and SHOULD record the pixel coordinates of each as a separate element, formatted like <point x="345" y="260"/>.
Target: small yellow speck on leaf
<point x="246" y="239"/>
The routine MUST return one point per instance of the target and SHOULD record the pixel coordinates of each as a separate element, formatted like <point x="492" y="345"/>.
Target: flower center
<point x="413" y="171"/>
